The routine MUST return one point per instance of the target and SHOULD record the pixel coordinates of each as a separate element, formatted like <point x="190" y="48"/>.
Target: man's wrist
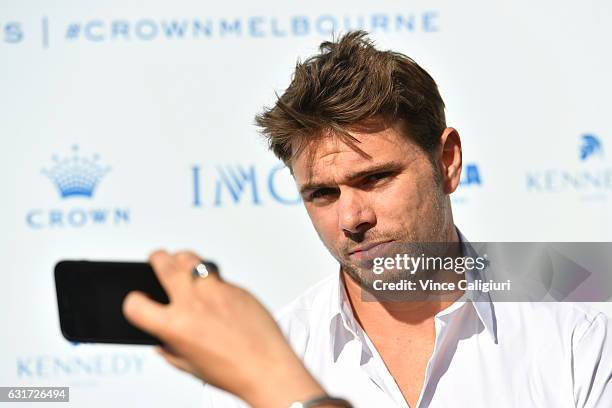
<point x="322" y="401"/>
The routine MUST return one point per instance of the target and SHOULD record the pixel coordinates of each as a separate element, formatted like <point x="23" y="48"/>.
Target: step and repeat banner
<point x="129" y="126"/>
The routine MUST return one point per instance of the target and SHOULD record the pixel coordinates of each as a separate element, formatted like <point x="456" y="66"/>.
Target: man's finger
<point x="175" y="280"/>
<point x="187" y="260"/>
<point x="191" y="259"/>
<point x="146" y="314"/>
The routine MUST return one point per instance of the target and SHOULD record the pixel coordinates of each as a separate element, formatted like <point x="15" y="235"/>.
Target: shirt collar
<point x="344" y="327"/>
<point x="481" y="300"/>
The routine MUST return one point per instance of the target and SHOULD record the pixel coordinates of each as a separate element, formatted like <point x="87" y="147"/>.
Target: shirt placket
<point x="380" y="375"/>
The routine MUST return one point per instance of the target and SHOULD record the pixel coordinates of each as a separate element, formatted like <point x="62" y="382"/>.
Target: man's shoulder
<point x="560" y="319"/>
<point x="315" y="299"/>
<point x="564" y="311"/>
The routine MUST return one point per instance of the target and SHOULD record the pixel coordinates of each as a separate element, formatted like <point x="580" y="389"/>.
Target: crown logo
<point x="76" y="176"/>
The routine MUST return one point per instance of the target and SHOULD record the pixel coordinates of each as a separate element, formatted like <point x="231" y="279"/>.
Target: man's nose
<point x="355" y="215"/>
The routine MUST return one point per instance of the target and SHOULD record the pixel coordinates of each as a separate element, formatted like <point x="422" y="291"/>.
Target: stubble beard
<point x="405" y="242"/>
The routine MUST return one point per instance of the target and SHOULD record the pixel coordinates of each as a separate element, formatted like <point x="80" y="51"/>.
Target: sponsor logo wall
<point x="129" y="127"/>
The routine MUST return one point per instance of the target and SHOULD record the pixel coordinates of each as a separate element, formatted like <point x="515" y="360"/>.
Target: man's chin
<point x="365" y="279"/>
<point x="371" y="284"/>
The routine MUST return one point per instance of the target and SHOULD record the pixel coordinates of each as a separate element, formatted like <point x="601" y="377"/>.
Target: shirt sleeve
<point x="213" y="397"/>
<point x="592" y="364"/>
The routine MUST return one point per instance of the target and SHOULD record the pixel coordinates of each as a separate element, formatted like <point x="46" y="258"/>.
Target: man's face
<point x="363" y="208"/>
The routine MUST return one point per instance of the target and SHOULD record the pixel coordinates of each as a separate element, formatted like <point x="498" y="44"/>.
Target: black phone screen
<point x="90" y="296"/>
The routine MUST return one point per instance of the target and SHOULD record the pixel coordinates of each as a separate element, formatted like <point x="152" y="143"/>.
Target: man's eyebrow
<point x="382" y="167"/>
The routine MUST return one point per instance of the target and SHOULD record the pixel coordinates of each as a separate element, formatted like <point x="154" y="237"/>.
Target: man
<point x="364" y="134"/>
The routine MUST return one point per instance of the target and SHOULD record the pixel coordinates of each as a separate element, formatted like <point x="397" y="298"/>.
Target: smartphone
<point x="90" y="296"/>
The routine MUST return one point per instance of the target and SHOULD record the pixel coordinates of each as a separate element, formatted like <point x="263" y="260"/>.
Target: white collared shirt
<point x="486" y="354"/>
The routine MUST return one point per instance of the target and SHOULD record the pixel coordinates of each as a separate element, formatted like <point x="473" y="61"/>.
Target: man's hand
<point x="221" y="334"/>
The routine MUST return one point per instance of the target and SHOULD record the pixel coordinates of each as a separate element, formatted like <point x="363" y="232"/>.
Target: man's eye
<point x="323" y="193"/>
<point x="377" y="176"/>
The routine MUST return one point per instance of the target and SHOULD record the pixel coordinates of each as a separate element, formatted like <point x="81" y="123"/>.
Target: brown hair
<point x="349" y="82"/>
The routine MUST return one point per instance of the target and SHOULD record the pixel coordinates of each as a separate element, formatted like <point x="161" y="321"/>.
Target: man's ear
<point x="450" y="160"/>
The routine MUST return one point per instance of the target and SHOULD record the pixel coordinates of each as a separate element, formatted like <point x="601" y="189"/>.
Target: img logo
<point x="230" y="185"/>
<point x="590" y="176"/>
<point x="76" y="178"/>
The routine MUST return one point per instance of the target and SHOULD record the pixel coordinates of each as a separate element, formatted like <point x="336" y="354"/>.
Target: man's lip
<point x="367" y="247"/>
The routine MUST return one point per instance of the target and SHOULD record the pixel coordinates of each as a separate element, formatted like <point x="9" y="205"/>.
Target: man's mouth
<point x="370" y="251"/>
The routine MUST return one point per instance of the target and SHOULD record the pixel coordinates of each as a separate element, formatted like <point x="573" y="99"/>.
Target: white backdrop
<point x="156" y="100"/>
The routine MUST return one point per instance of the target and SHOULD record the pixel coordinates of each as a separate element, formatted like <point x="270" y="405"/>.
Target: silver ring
<point x="200" y="271"/>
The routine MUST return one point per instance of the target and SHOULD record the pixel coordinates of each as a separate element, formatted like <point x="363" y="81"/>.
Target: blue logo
<point x="11" y="32"/>
<point x="76" y="176"/>
<point x="584" y="176"/>
<point x="243" y="184"/>
<point x="203" y="28"/>
<point x="77" y="366"/>
<point x="590" y="146"/>
<point x="470" y="176"/>
<point x="470" y="180"/>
